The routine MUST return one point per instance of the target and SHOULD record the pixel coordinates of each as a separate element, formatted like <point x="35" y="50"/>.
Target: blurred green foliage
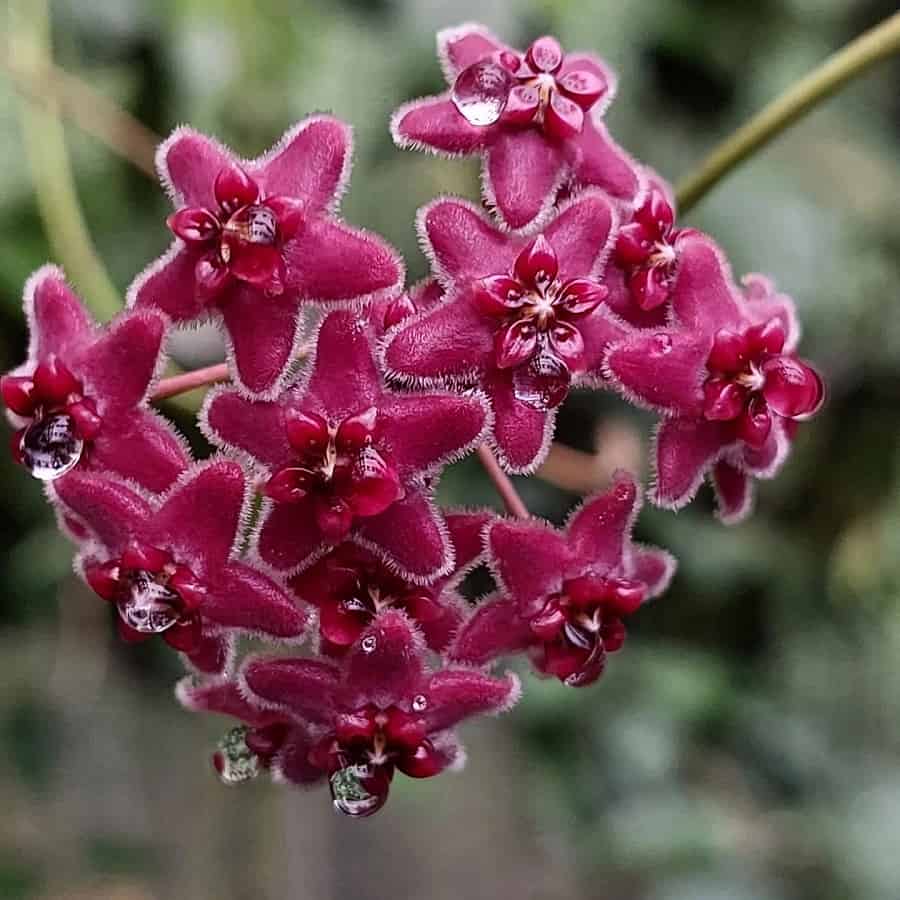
<point x="746" y="744"/>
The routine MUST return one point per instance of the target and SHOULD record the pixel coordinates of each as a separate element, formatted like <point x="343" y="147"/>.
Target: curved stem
<point x="514" y="504"/>
<point x="189" y="381"/>
<point x="877" y="44"/>
<point x="48" y="159"/>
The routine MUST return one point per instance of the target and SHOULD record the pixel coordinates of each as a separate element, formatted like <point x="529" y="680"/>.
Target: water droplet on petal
<point x="150" y="607"/>
<point x="543" y="382"/>
<point x="419" y="703"/>
<point x="234" y="760"/>
<point x="50" y="447"/>
<point x="481" y="91"/>
<point x="255" y="224"/>
<point x="369" y="644"/>
<point x="354" y="605"/>
<point x="351" y="794"/>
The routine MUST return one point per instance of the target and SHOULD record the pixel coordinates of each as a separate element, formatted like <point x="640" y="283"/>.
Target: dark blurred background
<point x="745" y="745"/>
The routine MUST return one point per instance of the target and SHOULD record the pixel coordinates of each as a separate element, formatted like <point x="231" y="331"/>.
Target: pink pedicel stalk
<point x="347" y="396"/>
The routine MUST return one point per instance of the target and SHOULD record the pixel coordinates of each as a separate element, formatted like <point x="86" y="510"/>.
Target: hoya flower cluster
<point x="314" y="519"/>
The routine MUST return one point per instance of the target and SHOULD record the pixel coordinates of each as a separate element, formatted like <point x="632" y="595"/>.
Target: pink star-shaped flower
<point x="523" y="318"/>
<point x="725" y="377"/>
<point x="535" y="117"/>
<point x="381" y="710"/>
<point x="343" y="457"/>
<point x="169" y="564"/>
<point x="563" y="595"/>
<point x="81" y="398"/>
<point x="256" y="239"/>
<point x="350" y="586"/>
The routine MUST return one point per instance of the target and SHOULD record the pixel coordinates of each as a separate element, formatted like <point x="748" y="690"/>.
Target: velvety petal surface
<point x="169" y="285"/>
<point x="463" y="45"/>
<point x="254" y="426"/>
<point x="141" y="445"/>
<point x="524" y="169"/>
<point x="662" y="369"/>
<point x="409" y="535"/>
<point x="734" y="492"/>
<point x="521" y="433"/>
<point x="529" y="558"/>
<point x="263" y="332"/>
<point x="110" y="509"/>
<point x="434" y="122"/>
<point x="289" y="535"/>
<point x="189" y="162"/>
<point x="494" y="629"/>
<point x="704" y="297"/>
<point x="329" y="261"/>
<point x="59" y="322"/>
<point x="457" y="694"/>
<point x="310" y="163"/>
<point x="580" y="234"/>
<point x="600" y="530"/>
<point x="685" y="449"/>
<point x="598" y="160"/>
<point x="305" y="687"/>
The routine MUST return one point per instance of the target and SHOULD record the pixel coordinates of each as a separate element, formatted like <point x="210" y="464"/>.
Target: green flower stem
<point x="51" y="170"/>
<point x="879" y="43"/>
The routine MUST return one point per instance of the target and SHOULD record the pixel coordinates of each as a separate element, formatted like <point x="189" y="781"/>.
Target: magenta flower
<point x="522" y="317"/>
<point x="343" y="457"/>
<point x="382" y="710"/>
<point x="258" y="238"/>
<point x="563" y="595"/>
<point x="81" y="397"/>
<point x="725" y="377"/>
<point x="535" y="117"/>
<point x="169" y="565"/>
<point x="350" y="586"/>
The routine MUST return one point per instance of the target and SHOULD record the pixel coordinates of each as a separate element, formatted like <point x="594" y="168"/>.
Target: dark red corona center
<point x="751" y="380"/>
<point x="646" y="249"/>
<point x="534" y="89"/>
<point x="62" y="418"/>
<point x="538" y="336"/>
<point x="579" y="626"/>
<point x="242" y="238"/>
<point x="153" y="594"/>
<point x="364" y="748"/>
<point x="339" y="466"/>
<point x="350" y="588"/>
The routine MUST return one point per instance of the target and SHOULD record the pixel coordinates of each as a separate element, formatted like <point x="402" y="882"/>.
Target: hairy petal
<point x="344" y="379"/>
<point x="453" y="340"/>
<point x="289" y="535"/>
<point x="330" y="261"/>
<point x="521" y="433"/>
<point x="494" y="629"/>
<point x="306" y="687"/>
<point x="254" y="426"/>
<point x="599" y="160"/>
<point x="309" y="163"/>
<point x="410" y="536"/>
<point x="192" y="162"/>
<point x="59" y="321"/>
<point x="457" y="694"/>
<point x="523" y="169"/>
<point x="242" y="597"/>
<point x="386" y="665"/>
<point x="734" y="492"/>
<point x="109" y="508"/>
<point x="141" y="445"/>
<point x="663" y="369"/>
<point x="263" y="333"/>
<point x="467" y="44"/>
<point x="435" y="122"/>
<point x="600" y="531"/>
<point x="704" y="297"/>
<point x="685" y="449"/>
<point x="529" y="558"/>
<point x="464" y="244"/>
<point x="580" y="233"/>
<point x="420" y="431"/>
<point x="169" y="285"/>
<point x="121" y="363"/>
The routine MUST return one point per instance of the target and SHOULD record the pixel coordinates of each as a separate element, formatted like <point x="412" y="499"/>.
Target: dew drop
<point x="50" y="447"/>
<point x="543" y="382"/>
<point x="150" y="607"/>
<point x="481" y="91"/>
<point x="354" y="605"/>
<point x="235" y="762"/>
<point x="419" y="703"/>
<point x="368" y="644"/>
<point x="350" y="794"/>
